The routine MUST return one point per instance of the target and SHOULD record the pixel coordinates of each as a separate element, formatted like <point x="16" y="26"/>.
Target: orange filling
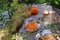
<point x="31" y="26"/>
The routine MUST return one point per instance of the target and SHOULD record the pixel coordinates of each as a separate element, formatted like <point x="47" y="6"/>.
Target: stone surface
<point x="1" y="23"/>
<point x="4" y="17"/>
<point x="41" y="7"/>
<point x="5" y="14"/>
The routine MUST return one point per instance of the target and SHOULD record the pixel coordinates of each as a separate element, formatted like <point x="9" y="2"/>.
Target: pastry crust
<point x="48" y="37"/>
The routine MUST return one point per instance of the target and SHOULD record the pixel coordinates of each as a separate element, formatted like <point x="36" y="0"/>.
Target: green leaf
<point x="42" y="1"/>
<point x="56" y="2"/>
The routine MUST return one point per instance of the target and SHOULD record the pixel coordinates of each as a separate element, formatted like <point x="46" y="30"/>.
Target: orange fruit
<point x="34" y="10"/>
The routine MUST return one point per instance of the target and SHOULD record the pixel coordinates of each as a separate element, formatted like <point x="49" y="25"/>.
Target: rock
<point x="1" y="23"/>
<point x="5" y="14"/>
